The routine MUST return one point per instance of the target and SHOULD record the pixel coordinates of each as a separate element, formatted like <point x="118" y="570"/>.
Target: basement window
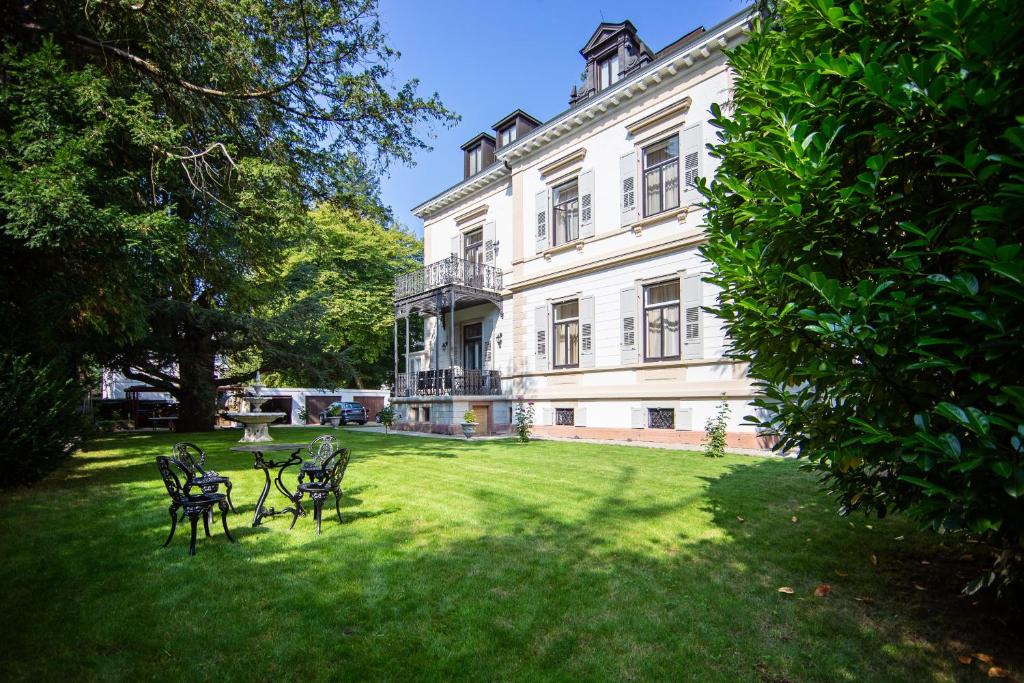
<point x="565" y="417"/>
<point x="661" y="418"/>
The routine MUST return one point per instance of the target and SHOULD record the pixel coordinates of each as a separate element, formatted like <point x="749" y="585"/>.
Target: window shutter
<point x="580" y="417"/>
<point x="489" y="246"/>
<point x="693" y="328"/>
<point x="541" y="212"/>
<point x="637" y="418"/>
<point x="457" y="245"/>
<point x="487" y="331"/>
<point x="627" y="188"/>
<point x="586" y="186"/>
<point x="629" y="326"/>
<point x="691" y="161"/>
<point x="547" y="416"/>
<point x="587" y="350"/>
<point x="541" y="336"/>
<point x="684" y="419"/>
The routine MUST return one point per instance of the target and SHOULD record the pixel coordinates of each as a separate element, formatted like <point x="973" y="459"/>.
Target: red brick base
<point x="733" y="439"/>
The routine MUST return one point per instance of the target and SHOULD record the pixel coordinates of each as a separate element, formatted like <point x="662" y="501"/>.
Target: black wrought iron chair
<point x="208" y="481"/>
<point x="193" y="505"/>
<point x="318" y="488"/>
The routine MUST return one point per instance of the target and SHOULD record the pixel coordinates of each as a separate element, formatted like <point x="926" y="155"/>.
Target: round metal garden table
<point x="260" y="463"/>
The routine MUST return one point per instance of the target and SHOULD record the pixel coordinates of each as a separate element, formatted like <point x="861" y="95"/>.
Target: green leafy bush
<point x="469" y="416"/>
<point x="524" y="421"/>
<point x="387" y="417"/>
<point x="865" y="234"/>
<point x="40" y="418"/>
<point x="714" y="429"/>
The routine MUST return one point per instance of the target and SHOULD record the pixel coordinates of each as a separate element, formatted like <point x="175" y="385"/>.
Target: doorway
<point x="483" y="418"/>
<point x="473" y="346"/>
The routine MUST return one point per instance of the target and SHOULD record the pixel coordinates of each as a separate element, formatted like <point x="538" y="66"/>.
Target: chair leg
<point x="207" y="514"/>
<point x="224" y="520"/>
<point x="193" y="518"/>
<point x="297" y="510"/>
<point x="337" y="505"/>
<point x="227" y="486"/>
<point x="318" y="508"/>
<point x="174" y="525"/>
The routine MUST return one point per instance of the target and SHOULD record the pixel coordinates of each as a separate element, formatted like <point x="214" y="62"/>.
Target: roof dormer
<point x="514" y="126"/>
<point x="613" y="52"/>
<point x="479" y="154"/>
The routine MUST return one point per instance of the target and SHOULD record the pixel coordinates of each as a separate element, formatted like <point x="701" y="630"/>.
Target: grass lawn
<point x="480" y="561"/>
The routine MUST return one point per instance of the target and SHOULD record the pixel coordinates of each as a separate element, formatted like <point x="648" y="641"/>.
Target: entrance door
<point x="473" y="346"/>
<point x="483" y="418"/>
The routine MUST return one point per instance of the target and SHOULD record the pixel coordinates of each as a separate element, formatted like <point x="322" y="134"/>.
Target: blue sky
<point x="485" y="64"/>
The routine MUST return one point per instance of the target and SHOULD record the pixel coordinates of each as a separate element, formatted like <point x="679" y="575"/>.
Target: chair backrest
<point x="321" y="448"/>
<point x="174" y="488"/>
<point x="183" y="453"/>
<point x="335" y="466"/>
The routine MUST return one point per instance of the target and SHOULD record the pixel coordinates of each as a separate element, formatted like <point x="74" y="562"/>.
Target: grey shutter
<point x="489" y="244"/>
<point x="629" y="331"/>
<point x="457" y="245"/>
<point x="684" y="419"/>
<point x="691" y="162"/>
<point x="580" y="417"/>
<point x="693" y="327"/>
<point x="487" y="332"/>
<point x="541" y="334"/>
<point x="637" y="418"/>
<point x="587" y="350"/>
<point x="540" y="210"/>
<point x="586" y="186"/>
<point x="547" y="416"/>
<point x="627" y="189"/>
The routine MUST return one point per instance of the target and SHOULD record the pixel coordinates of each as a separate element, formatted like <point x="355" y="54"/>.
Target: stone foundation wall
<point x="733" y="439"/>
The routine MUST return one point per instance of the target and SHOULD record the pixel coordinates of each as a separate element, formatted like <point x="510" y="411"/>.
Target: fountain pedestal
<point x="256" y="422"/>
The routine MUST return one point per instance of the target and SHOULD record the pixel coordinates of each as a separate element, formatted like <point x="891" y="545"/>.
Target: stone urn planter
<point x="469" y="428"/>
<point x="334" y="420"/>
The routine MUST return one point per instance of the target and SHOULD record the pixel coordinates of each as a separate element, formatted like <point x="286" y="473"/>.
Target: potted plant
<point x="334" y="416"/>
<point x="469" y="423"/>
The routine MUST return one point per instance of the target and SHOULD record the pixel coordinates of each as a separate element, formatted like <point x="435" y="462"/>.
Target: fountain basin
<point x="256" y="425"/>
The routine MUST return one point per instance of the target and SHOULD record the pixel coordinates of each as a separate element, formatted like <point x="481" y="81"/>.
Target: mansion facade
<point x="564" y="268"/>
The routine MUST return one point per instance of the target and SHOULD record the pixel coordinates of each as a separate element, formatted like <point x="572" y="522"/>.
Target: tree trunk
<point x="197" y="392"/>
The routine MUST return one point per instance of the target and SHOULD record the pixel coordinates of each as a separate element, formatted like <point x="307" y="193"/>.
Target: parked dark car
<point x="350" y="412"/>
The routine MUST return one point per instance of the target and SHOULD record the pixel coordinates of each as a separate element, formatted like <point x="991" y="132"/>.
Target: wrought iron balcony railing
<point x="449" y="382"/>
<point x="449" y="271"/>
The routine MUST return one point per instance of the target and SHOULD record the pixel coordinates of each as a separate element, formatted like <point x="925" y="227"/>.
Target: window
<point x="472" y="346"/>
<point x="473" y="251"/>
<point x="565" y="417"/>
<point x="507" y="136"/>
<point x="609" y="71"/>
<point x="567" y="213"/>
<point x="475" y="157"/>
<point x="661" y="176"/>
<point x="661" y="418"/>
<point x="567" y="334"/>
<point x="661" y="321"/>
<point x="425" y="414"/>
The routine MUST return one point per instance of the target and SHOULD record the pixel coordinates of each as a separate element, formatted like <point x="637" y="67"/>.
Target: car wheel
<point x="362" y="422"/>
<point x="342" y="421"/>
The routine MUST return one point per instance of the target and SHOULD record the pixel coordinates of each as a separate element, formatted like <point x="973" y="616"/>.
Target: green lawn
<point x="477" y="561"/>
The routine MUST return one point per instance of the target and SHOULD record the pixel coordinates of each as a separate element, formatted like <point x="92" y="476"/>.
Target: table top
<point x="267" y="447"/>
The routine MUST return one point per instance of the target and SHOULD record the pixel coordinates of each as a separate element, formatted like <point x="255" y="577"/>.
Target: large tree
<point x="158" y="164"/>
<point x="865" y="233"/>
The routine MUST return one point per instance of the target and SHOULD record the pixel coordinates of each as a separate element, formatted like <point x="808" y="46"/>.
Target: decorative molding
<point x="659" y="116"/>
<point x="478" y="212"/>
<point x="571" y="159"/>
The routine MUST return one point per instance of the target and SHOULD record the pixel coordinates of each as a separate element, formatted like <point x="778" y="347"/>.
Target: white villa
<point x="564" y="268"/>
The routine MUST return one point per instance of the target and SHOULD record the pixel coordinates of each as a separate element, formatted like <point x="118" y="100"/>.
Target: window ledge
<point x="576" y="244"/>
<point x="673" y="214"/>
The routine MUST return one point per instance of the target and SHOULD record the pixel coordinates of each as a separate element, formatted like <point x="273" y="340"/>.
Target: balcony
<point x="448" y="382"/>
<point x="467" y="276"/>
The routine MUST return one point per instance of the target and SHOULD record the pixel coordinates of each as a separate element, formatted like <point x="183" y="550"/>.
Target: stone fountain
<point x="255" y="421"/>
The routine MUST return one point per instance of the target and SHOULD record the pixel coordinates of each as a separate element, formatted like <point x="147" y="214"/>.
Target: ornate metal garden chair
<point x="193" y="505"/>
<point x="318" y="488"/>
<point x="207" y="480"/>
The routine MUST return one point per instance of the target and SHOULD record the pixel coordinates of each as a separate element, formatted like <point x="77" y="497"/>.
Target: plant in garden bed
<point x="524" y="421"/>
<point x="714" y="430"/>
<point x="387" y="417"/>
<point x="864" y="231"/>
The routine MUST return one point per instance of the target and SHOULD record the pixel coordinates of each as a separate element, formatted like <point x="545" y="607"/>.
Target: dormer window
<point x="475" y="156"/>
<point x="507" y="136"/>
<point x="609" y="71"/>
